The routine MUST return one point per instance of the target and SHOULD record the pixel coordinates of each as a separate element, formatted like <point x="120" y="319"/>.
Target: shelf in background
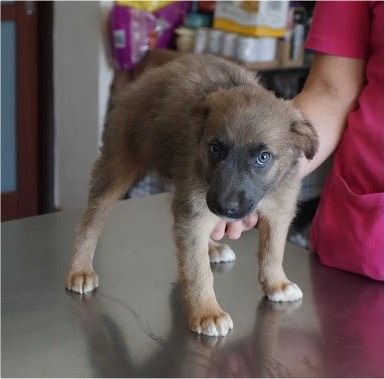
<point x="162" y="55"/>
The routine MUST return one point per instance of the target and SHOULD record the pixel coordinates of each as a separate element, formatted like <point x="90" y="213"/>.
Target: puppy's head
<point x="249" y="140"/>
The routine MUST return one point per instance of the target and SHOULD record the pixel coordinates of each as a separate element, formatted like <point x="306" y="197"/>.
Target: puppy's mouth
<point x="228" y="219"/>
<point x="230" y="214"/>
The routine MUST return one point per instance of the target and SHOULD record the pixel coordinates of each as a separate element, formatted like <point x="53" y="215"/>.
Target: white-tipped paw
<point x="288" y="292"/>
<point x="214" y="325"/>
<point x="82" y="281"/>
<point x="219" y="252"/>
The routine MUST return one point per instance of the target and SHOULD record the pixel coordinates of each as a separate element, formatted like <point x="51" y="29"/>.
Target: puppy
<point x="229" y="146"/>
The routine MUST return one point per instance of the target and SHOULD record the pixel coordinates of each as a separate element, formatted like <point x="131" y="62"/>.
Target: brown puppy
<point x="229" y="146"/>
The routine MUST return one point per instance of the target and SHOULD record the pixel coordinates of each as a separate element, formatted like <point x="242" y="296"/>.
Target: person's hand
<point x="234" y="229"/>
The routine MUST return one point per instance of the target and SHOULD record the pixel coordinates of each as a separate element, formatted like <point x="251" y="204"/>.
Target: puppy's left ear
<point x="305" y="137"/>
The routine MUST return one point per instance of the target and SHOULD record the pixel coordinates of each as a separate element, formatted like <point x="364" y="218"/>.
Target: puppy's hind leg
<point x="220" y="252"/>
<point x="109" y="181"/>
<point x="192" y="226"/>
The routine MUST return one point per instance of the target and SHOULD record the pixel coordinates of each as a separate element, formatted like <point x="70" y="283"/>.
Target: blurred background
<point x="61" y="60"/>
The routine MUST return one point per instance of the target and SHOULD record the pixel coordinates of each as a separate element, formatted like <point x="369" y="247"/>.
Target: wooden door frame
<point x="34" y="111"/>
<point x="45" y="106"/>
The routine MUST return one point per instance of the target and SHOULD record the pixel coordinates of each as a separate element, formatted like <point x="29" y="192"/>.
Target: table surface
<point x="134" y="324"/>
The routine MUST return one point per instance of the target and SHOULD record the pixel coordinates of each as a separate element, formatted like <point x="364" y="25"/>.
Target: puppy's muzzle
<point x="235" y="207"/>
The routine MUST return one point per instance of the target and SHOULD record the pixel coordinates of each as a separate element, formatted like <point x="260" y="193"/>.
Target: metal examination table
<point x="134" y="325"/>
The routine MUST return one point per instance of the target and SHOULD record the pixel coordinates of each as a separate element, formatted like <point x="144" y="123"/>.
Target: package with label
<point x="252" y="18"/>
<point x="137" y="27"/>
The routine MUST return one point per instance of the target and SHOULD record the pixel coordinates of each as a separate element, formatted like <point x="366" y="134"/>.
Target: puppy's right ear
<point x="201" y="109"/>
<point x="219" y="100"/>
<point x="200" y="113"/>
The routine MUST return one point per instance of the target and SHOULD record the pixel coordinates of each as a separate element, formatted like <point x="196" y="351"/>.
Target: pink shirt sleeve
<point x="341" y="28"/>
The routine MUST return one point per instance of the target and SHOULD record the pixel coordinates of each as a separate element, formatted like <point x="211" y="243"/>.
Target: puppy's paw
<point x="219" y="252"/>
<point x="285" y="292"/>
<point x="82" y="281"/>
<point x="213" y="325"/>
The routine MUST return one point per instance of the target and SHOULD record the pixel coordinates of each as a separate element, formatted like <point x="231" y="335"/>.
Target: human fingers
<point x="219" y="230"/>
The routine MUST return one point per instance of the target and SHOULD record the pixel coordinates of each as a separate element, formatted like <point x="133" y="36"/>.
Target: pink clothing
<point x="348" y="229"/>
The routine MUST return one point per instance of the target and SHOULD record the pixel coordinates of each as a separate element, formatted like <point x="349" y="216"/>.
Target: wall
<point x="81" y="85"/>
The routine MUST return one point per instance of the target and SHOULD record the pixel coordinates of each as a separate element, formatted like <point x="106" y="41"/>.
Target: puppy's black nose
<point x="227" y="210"/>
<point x="234" y="207"/>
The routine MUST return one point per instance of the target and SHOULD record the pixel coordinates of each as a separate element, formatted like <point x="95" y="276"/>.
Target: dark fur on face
<point x="230" y="147"/>
<point x="250" y="139"/>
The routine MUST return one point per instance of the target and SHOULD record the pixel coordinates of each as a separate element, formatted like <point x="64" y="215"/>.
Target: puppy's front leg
<point x="273" y="227"/>
<point x="192" y="227"/>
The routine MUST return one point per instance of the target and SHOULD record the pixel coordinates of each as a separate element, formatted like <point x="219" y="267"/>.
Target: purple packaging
<point x="134" y="31"/>
<point x="130" y="30"/>
<point x="174" y="15"/>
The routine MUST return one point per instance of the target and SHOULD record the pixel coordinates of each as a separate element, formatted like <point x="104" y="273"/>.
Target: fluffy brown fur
<point x="203" y="122"/>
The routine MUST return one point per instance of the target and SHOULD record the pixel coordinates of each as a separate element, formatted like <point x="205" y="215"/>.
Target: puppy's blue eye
<point x="263" y="158"/>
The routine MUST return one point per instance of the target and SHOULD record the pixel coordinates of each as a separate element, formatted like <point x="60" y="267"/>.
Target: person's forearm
<point x="326" y="104"/>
